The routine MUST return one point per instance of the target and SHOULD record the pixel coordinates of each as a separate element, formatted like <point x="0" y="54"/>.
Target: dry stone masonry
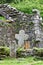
<point x="17" y="21"/>
<point x="38" y="32"/>
<point x="13" y="14"/>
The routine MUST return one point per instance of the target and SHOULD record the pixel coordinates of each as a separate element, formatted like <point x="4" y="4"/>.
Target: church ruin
<point x="16" y="21"/>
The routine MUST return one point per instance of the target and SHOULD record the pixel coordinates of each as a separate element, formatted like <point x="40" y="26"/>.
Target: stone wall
<point x="8" y="31"/>
<point x="17" y="20"/>
<point x="5" y="34"/>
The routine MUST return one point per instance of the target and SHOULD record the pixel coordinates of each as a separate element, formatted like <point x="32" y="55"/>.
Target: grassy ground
<point x="21" y="61"/>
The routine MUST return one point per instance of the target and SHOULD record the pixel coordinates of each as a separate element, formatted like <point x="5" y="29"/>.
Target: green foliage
<point x="9" y="1"/>
<point x="26" y="5"/>
<point x="2" y="1"/>
<point x="38" y="52"/>
<point x="19" y="50"/>
<point x="4" y="51"/>
<point x="2" y="18"/>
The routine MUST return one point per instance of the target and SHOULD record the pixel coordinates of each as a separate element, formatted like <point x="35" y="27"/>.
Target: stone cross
<point x="21" y="37"/>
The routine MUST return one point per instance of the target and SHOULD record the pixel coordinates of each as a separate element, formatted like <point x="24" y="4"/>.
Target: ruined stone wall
<point x="17" y="20"/>
<point x="8" y="31"/>
<point x="5" y="34"/>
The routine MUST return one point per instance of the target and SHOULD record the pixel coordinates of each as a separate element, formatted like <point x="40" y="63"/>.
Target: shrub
<point x="38" y="52"/>
<point x="4" y="51"/>
<point x="19" y="51"/>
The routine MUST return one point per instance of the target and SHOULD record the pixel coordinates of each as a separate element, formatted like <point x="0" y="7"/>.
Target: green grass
<point x="23" y="61"/>
<point x="41" y="63"/>
<point x="26" y="6"/>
